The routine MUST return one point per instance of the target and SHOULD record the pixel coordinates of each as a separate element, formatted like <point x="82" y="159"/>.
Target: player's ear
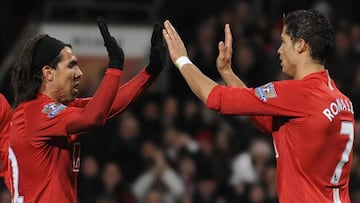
<point x="301" y="46"/>
<point x="48" y="73"/>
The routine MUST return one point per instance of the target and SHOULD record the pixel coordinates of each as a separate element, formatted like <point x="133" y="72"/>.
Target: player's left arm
<point x="130" y="91"/>
<point x="223" y="61"/>
<point x="223" y="64"/>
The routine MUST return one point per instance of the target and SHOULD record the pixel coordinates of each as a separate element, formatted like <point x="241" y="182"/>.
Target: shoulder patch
<point x="265" y="92"/>
<point x="52" y="109"/>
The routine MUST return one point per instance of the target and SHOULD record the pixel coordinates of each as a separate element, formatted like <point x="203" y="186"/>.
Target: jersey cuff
<point x="114" y="71"/>
<point x="213" y="100"/>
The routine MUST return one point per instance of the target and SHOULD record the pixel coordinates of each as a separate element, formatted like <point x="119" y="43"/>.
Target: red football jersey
<point x="312" y="125"/>
<point x="5" y="116"/>
<point x="68" y="149"/>
<point x="44" y="155"/>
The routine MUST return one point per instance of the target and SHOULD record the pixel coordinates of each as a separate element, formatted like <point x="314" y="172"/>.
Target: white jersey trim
<point x="15" y="177"/>
<point x="329" y="81"/>
<point x="336" y="195"/>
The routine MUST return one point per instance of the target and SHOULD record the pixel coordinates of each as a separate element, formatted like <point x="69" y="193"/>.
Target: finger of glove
<point x="156" y="37"/>
<point x="103" y="29"/>
<point x="116" y="48"/>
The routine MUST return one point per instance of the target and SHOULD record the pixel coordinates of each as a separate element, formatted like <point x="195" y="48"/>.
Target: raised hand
<point x="223" y="61"/>
<point x="115" y="52"/>
<point x="157" y="51"/>
<point x="174" y="43"/>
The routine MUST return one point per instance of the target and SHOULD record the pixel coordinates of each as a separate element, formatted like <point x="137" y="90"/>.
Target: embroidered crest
<point x="266" y="92"/>
<point x="53" y="109"/>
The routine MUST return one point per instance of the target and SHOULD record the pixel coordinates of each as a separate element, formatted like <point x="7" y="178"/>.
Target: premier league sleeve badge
<point x="53" y="109"/>
<point x="266" y="92"/>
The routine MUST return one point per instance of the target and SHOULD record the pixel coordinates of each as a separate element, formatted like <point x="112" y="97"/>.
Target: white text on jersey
<point x="337" y="106"/>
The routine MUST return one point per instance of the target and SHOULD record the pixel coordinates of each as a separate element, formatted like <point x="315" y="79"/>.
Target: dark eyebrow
<point x="73" y="63"/>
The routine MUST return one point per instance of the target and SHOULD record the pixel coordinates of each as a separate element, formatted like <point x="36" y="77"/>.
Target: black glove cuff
<point x="154" y="68"/>
<point x="151" y="70"/>
<point x="115" y="63"/>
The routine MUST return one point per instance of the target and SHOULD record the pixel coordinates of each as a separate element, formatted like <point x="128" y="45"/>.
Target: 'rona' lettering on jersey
<point x="337" y="106"/>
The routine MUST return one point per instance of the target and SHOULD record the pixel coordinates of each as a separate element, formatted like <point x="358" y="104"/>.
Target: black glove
<point x="116" y="54"/>
<point x="157" y="51"/>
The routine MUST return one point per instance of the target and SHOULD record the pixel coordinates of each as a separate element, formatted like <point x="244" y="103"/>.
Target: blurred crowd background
<point x="167" y="147"/>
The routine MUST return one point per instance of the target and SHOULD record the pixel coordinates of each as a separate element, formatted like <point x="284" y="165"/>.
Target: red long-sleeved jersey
<point x="45" y="151"/>
<point x="312" y="125"/>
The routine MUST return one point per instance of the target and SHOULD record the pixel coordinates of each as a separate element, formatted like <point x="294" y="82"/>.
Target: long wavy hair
<point x="26" y="84"/>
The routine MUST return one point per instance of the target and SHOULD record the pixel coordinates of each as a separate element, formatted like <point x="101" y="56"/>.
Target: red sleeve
<point x="60" y="120"/>
<point x="283" y="98"/>
<point x="128" y="92"/>
<point x="95" y="112"/>
<point x="263" y="123"/>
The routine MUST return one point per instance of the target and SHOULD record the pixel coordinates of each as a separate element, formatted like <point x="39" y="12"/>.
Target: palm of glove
<point x="157" y="51"/>
<point x="115" y="52"/>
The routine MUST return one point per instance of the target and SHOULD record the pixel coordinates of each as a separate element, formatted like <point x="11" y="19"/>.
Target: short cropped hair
<point x="314" y="28"/>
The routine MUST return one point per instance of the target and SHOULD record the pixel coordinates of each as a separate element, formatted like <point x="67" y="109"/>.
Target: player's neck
<point x="307" y="68"/>
<point x="45" y="90"/>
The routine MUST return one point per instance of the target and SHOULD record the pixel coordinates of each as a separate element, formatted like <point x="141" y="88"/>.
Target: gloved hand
<point x="116" y="54"/>
<point x="157" y="51"/>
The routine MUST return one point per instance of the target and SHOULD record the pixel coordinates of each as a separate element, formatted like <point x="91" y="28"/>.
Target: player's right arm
<point x="200" y="84"/>
<point x="270" y="99"/>
<point x="96" y="110"/>
<point x="94" y="114"/>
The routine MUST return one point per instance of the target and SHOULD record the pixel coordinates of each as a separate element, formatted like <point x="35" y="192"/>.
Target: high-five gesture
<point x="157" y="51"/>
<point x="115" y="53"/>
<point x="199" y="83"/>
<point x="175" y="45"/>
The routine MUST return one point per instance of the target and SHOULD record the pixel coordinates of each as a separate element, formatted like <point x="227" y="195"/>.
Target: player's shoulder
<point x="4" y="104"/>
<point x="3" y="99"/>
<point x="295" y="86"/>
<point x="41" y="108"/>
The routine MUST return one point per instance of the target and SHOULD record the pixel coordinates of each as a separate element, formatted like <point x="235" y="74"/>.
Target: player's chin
<point x="73" y="96"/>
<point x="283" y="67"/>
